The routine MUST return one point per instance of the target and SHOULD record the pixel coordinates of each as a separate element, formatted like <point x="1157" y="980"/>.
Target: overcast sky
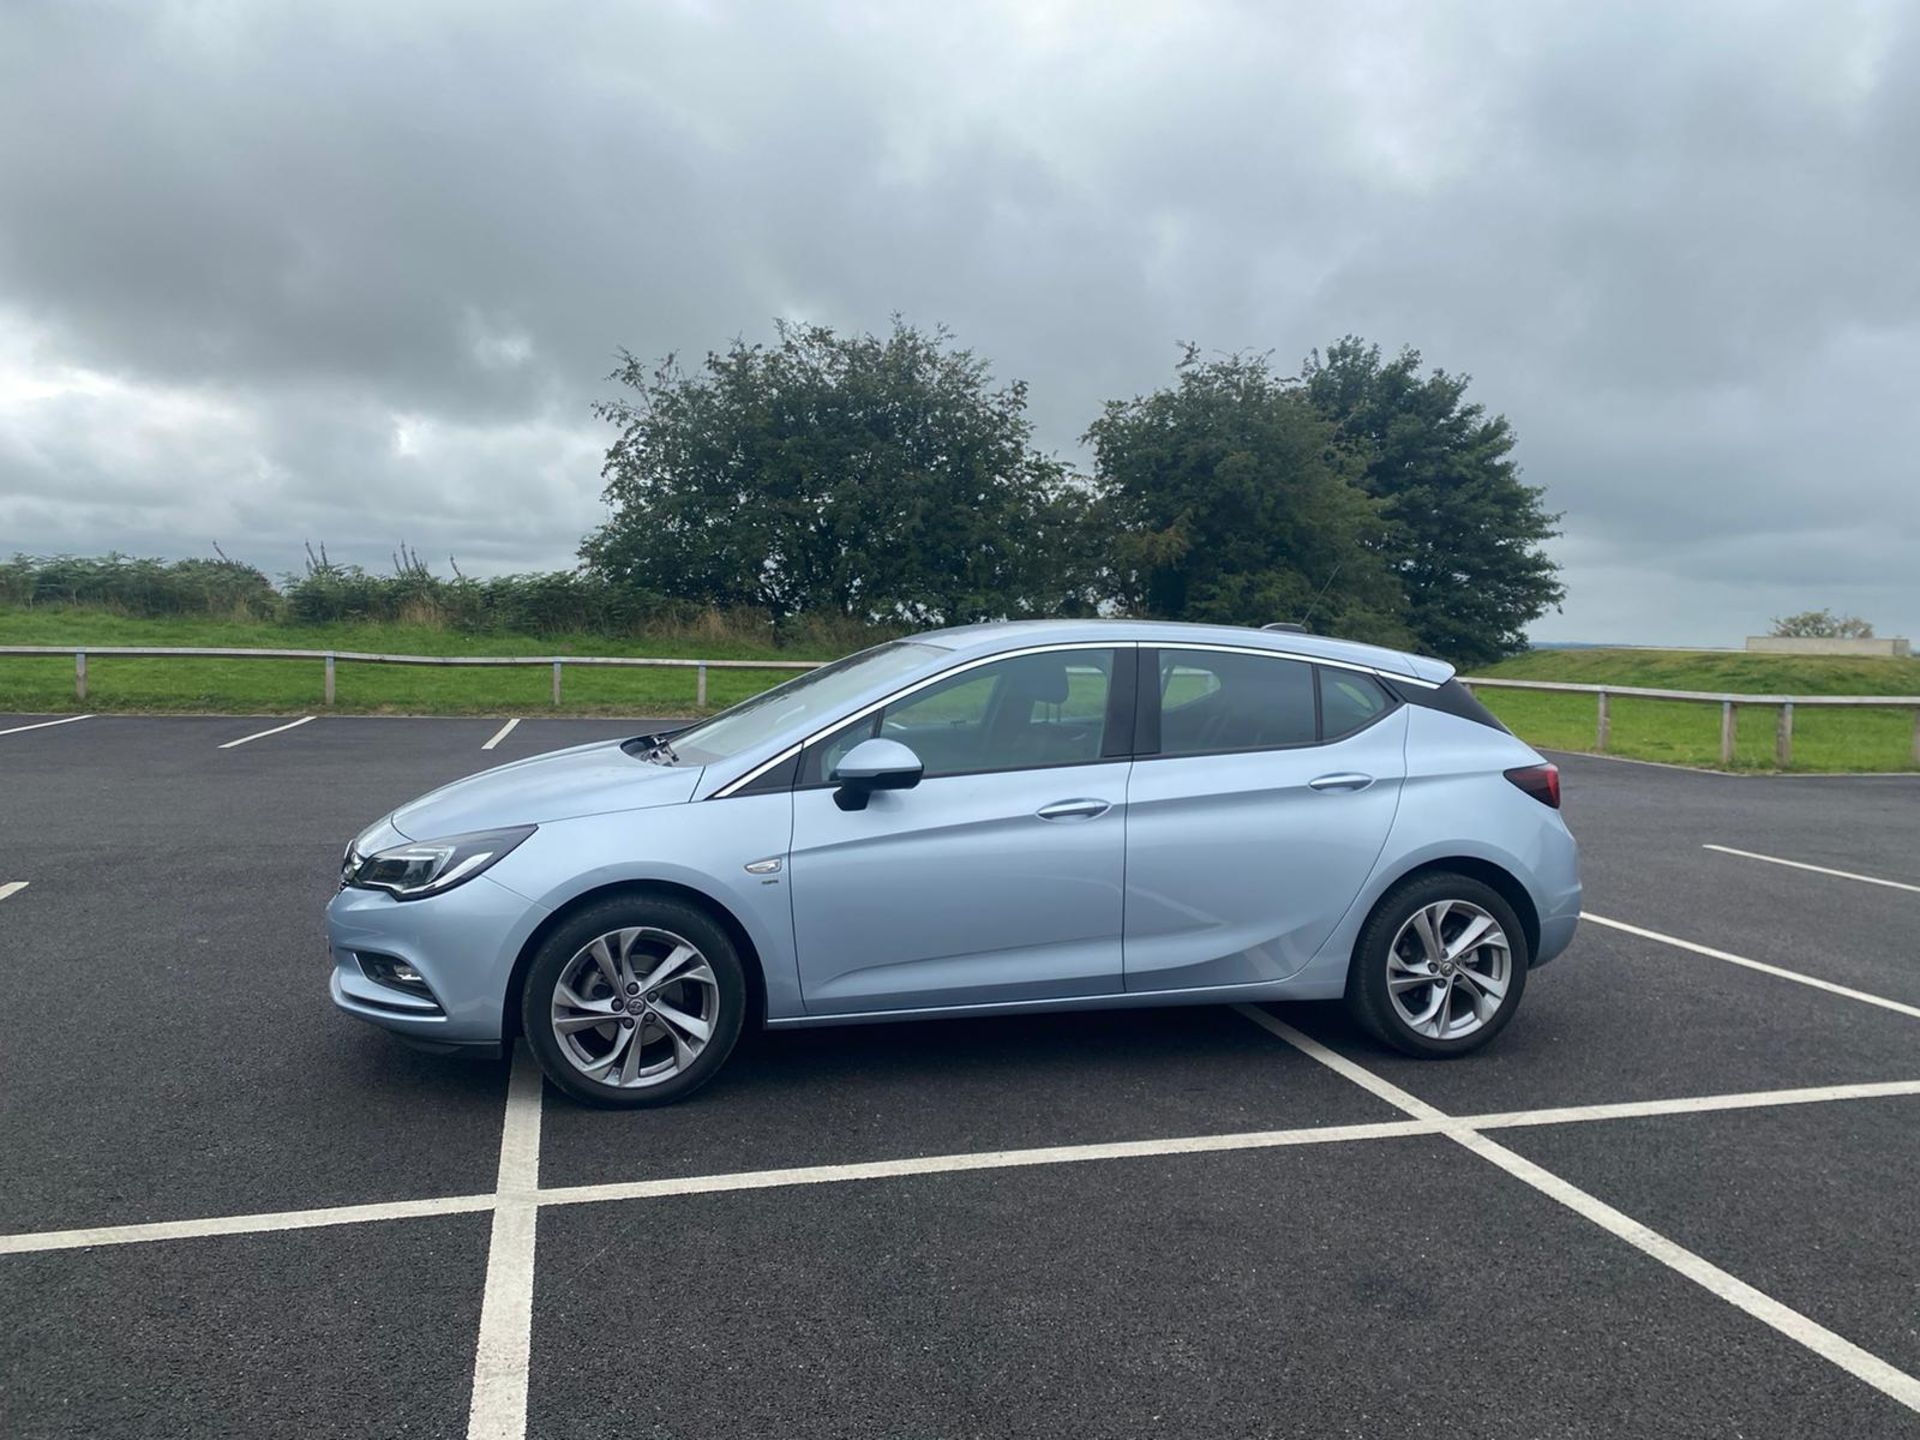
<point x="353" y="273"/>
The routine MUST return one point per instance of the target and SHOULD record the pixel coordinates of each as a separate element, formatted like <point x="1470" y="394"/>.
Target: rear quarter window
<point x="1349" y="701"/>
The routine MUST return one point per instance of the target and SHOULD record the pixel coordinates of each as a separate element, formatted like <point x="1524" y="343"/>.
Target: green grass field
<point x="35" y="684"/>
<point x="1674" y="731"/>
<point x="1684" y="733"/>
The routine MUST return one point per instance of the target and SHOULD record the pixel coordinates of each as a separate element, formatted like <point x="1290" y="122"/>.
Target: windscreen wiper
<point x="651" y="748"/>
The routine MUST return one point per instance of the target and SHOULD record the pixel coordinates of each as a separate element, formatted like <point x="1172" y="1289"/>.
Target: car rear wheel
<point x="634" y="1002"/>
<point x="1440" y="967"/>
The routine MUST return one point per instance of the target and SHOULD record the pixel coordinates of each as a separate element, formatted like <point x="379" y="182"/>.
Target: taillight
<point x="1542" y="782"/>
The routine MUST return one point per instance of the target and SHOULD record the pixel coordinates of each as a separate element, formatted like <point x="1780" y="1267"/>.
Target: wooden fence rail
<point x="1729" y="709"/>
<point x="328" y="658"/>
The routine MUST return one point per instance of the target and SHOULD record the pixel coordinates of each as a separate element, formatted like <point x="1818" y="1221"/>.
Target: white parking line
<point x="498" y="1410"/>
<point x="935" y="1164"/>
<point x="1693" y="1105"/>
<point x="502" y="733"/>
<point x="1765" y="969"/>
<point x="1816" y="869"/>
<point x="33" y="1242"/>
<point x="980" y="1160"/>
<point x="43" y="724"/>
<point x="1834" y="1348"/>
<point x="12" y="887"/>
<point x="262" y="734"/>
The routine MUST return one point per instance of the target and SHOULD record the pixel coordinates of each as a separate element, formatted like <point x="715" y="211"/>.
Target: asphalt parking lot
<point x="1676" y="1197"/>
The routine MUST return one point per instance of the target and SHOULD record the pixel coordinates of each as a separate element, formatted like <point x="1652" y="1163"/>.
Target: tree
<point x="1231" y="501"/>
<point x="878" y="477"/>
<point x="1822" y="625"/>
<point x="1463" y="533"/>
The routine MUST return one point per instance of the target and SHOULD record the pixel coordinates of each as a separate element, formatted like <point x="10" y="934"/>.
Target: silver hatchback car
<point x="1037" y="816"/>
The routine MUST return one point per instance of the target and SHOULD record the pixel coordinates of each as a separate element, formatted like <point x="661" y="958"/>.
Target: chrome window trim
<point x="1373" y="670"/>
<point x="754" y="774"/>
<point x="1270" y="652"/>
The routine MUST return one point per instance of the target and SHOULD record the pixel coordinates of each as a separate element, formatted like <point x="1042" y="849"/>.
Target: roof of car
<point x="1008" y="634"/>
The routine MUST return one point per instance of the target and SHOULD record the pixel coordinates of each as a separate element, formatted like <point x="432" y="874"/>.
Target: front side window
<point x="1213" y="701"/>
<point x="1016" y="714"/>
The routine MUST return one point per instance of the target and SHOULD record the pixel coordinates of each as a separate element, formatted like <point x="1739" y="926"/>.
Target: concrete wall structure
<point x="1789" y="645"/>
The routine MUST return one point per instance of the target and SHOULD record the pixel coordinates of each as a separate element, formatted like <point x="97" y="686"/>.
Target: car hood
<point x="584" y="780"/>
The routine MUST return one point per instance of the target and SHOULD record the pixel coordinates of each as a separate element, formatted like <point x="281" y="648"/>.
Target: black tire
<point x="671" y="918"/>
<point x="1368" y="997"/>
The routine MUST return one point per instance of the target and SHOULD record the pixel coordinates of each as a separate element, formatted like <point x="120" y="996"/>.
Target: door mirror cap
<point x="873" y="765"/>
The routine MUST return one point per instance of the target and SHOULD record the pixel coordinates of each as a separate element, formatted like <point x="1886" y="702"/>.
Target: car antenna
<point x="1321" y="596"/>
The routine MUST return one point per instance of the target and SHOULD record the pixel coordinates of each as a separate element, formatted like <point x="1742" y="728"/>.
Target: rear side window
<point x="1349" y="701"/>
<point x="1215" y="701"/>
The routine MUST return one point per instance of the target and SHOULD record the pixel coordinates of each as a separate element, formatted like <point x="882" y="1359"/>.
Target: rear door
<point x="1257" y="807"/>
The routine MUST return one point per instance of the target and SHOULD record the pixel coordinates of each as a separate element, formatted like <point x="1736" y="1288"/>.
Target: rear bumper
<point x="1555" y="935"/>
<point x="1556" y="893"/>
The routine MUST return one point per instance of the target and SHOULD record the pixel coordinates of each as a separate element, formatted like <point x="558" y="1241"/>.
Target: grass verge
<point x="1673" y="731"/>
<point x="1688" y="733"/>
<point x="268" y="687"/>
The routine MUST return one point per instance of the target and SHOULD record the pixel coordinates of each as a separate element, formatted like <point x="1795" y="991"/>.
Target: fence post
<point x="1727" y="724"/>
<point x="329" y="677"/>
<point x="556" y="682"/>
<point x="1603" y="726"/>
<point x="1783" y="738"/>
<point x="700" y="691"/>
<point x="80" y="674"/>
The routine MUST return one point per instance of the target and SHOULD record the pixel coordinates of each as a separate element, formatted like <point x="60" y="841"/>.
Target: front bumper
<point x="463" y="944"/>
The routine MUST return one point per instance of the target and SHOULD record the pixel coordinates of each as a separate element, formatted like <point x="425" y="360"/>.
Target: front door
<point x="1000" y="877"/>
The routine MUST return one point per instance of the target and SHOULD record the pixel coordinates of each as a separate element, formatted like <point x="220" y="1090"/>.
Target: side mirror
<point x="873" y="765"/>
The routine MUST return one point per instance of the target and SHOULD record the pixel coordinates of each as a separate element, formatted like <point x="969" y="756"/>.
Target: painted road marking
<point x="498" y="1410"/>
<point x="980" y="1160"/>
<point x="262" y="734"/>
<point x="1761" y="966"/>
<point x="1816" y="869"/>
<point x="501" y="734"/>
<point x="1434" y="1124"/>
<point x="43" y="724"/>
<point x="26" y="1244"/>
<point x="1694" y="1104"/>
<point x="1834" y="1348"/>
<point x="12" y="887"/>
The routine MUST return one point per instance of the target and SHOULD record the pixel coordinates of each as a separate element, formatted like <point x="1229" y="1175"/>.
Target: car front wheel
<point x="1440" y="967"/>
<point x="633" y="1002"/>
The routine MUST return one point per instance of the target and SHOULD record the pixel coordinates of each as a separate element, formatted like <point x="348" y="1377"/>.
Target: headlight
<point x="427" y="867"/>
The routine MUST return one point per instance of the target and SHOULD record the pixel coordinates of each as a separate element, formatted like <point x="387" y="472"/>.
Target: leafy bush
<point x="128" y="586"/>
<point x="1821" y="625"/>
<point x="559" y="602"/>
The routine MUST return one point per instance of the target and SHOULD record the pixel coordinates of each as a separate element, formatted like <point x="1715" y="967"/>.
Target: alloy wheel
<point x="1448" y="969"/>
<point x="635" y="1007"/>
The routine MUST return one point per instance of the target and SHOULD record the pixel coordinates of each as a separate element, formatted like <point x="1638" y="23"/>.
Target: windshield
<point x="796" y="705"/>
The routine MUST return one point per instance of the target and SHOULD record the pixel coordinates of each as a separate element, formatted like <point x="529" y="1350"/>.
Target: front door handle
<point x="1074" y="809"/>
<point x="1345" y="780"/>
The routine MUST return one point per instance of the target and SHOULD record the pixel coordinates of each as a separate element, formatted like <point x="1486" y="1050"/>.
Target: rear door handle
<point x="1345" y="780"/>
<point x="1074" y="809"/>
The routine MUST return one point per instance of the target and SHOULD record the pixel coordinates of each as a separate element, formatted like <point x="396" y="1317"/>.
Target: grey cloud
<point x="356" y="272"/>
